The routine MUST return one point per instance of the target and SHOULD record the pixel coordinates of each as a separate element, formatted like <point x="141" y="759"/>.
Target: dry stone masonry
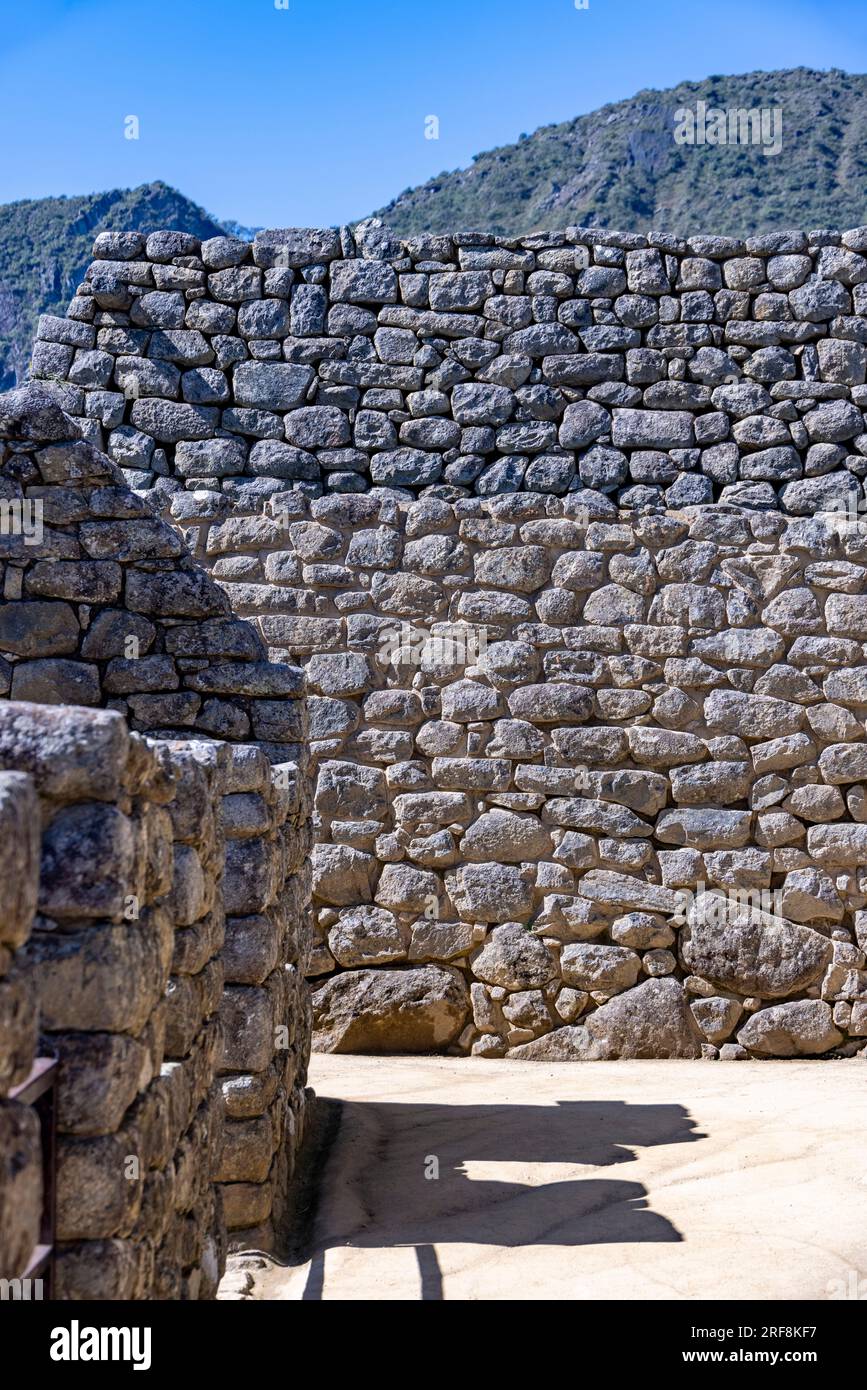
<point x="21" y="1179"/>
<point x="588" y="787"/>
<point x="103" y="604"/>
<point x="568" y="533"/>
<point x="652" y="371"/>
<point x="91" y="837"/>
<point x="162" y="846"/>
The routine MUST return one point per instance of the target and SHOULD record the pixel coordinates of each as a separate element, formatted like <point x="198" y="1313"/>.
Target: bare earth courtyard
<point x="641" y="1180"/>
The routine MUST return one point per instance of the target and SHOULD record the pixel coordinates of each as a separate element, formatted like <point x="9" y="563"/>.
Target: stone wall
<point x="567" y="534"/>
<point x="620" y="799"/>
<point x="137" y="1110"/>
<point x="20" y="1150"/>
<point x="265" y="1006"/>
<point x="183" y="1046"/>
<point x="103" y="604"/>
<point x="547" y="743"/>
<point x="608" y="773"/>
<point x="653" y="370"/>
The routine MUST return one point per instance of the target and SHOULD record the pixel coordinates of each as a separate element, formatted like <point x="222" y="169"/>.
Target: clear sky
<point x="314" y="113"/>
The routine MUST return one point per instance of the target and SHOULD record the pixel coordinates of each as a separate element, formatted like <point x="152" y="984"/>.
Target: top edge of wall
<point x="374" y="240"/>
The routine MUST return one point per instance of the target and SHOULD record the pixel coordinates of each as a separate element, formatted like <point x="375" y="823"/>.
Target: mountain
<point x="620" y="167"/>
<point x="45" y="248"/>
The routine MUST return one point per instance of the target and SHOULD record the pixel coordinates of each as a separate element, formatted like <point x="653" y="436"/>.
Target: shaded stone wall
<point x="654" y="370"/>
<point x="161" y="987"/>
<point x="20" y="1153"/>
<point x="103" y="606"/>
<point x="265" y="1006"/>
<point x="138" y="1111"/>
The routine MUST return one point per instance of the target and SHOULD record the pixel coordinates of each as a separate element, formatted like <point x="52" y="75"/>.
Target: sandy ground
<point x="471" y="1179"/>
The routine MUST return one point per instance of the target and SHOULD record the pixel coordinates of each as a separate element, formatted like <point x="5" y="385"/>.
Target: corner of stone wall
<point x="167" y="954"/>
<point x="21" y="1177"/>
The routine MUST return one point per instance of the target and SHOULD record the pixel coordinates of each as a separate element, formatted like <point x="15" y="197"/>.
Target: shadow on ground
<point x="426" y="1177"/>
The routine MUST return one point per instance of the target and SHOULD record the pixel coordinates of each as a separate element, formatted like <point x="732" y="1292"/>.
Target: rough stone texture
<point x="652" y="1020"/>
<point x="103" y="605"/>
<point x="21" y="1175"/>
<point x="573" y="551"/>
<point x="20" y="1187"/>
<point x="138" y="1111"/>
<point x="134" y="997"/>
<point x="166" y="961"/>
<point x="648" y="370"/>
<point x="751" y="951"/>
<point x="542" y="734"/>
<point x="800" y="1029"/>
<point x="419" y="1010"/>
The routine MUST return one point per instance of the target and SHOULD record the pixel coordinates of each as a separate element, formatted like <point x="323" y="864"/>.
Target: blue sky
<point x="315" y="114"/>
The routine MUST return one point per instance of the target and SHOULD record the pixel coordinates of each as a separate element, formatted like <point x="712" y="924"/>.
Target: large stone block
<point x="802" y="1028"/>
<point x="19" y="1028"/>
<point x="99" y="1186"/>
<point x="595" y="966"/>
<point x="102" y="978"/>
<point x="100" y="1076"/>
<point x="87" y="861"/>
<point x="251" y="950"/>
<point x="20" y="1187"/>
<point x="653" y="1020"/>
<point x="742" y="948"/>
<point x="253" y="874"/>
<point x="19" y="856"/>
<point x="38" y="629"/>
<point x="100" y="1270"/>
<point x="271" y="386"/>
<point x="248" y="1019"/>
<point x="348" y="789"/>
<point x="514" y="958"/>
<point x="246" y="1204"/>
<point x="491" y="892"/>
<point x="421" y="1009"/>
<point x="247" y="1150"/>
<point x="652" y="429"/>
<point x="619" y="891"/>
